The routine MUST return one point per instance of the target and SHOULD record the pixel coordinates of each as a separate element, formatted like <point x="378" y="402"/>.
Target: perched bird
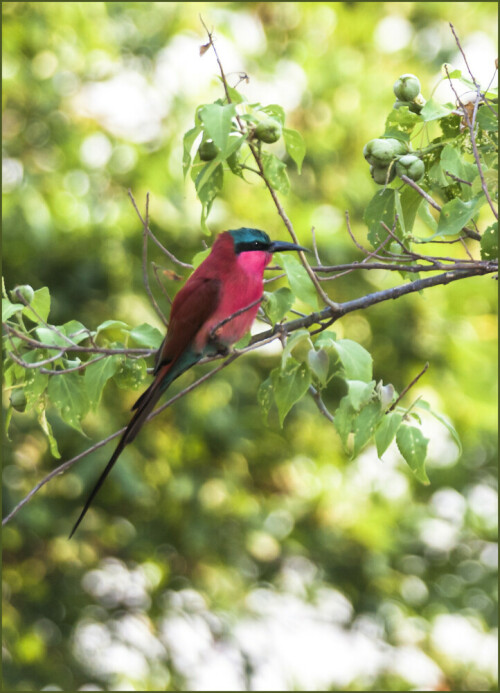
<point x="213" y="310"/>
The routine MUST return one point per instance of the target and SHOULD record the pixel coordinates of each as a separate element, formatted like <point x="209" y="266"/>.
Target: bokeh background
<point x="225" y="553"/>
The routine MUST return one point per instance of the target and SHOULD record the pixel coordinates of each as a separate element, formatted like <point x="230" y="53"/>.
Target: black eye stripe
<point x="252" y="245"/>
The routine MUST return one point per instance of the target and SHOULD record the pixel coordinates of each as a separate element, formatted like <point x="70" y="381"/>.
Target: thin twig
<point x="164" y="250"/>
<point x="139" y="351"/>
<point x="323" y="318"/>
<point x="258" y="160"/>
<point x="415" y="379"/>
<point x="232" y="316"/>
<point x="145" y="279"/>
<point x="160" y="283"/>
<point x="52" y="328"/>
<point x="315" y="394"/>
<point x="470" y="126"/>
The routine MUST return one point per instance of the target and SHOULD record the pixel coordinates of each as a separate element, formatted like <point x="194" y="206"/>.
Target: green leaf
<point x="407" y="203"/>
<point x="49" y="336"/>
<point x="455" y="214"/>
<point x="292" y="341"/>
<point x="68" y="394"/>
<point x="451" y="161"/>
<point x="217" y="121"/>
<point x="386" y="430"/>
<point x="235" y="95"/>
<point x="360" y="393"/>
<point x="39" y="303"/>
<point x="300" y="282"/>
<point x="9" y="309"/>
<point x="357" y="362"/>
<point x="97" y="375"/>
<point x="489" y="243"/>
<point x="295" y="146"/>
<point x="424" y="213"/>
<point x="319" y="363"/>
<point x="187" y="144"/>
<point x="433" y="110"/>
<point x="75" y="331"/>
<point x="35" y="385"/>
<point x="326" y="340"/>
<point x="274" y="110"/>
<point x="277" y="304"/>
<point x="208" y="193"/>
<point x="199" y="257"/>
<point x="400" y="123"/>
<point x="290" y="385"/>
<point x="422" y="404"/>
<point x="147" y="336"/>
<point x="487" y="120"/>
<point x="47" y="429"/>
<point x="344" y="420"/>
<point x="265" y="395"/>
<point x="365" y="424"/>
<point x="412" y="445"/>
<point x="382" y="207"/>
<point x="113" y="325"/>
<point x="275" y="172"/>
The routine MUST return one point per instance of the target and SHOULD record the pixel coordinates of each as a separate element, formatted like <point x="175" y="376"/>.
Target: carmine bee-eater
<point x="213" y="310"/>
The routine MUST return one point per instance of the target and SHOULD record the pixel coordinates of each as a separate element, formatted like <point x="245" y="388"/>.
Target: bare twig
<point x="470" y="124"/>
<point x="160" y="283"/>
<point x="433" y="203"/>
<point x="160" y="245"/>
<point x="77" y="348"/>
<point x="258" y="160"/>
<point x="315" y="394"/>
<point x="323" y="318"/>
<point x="145" y="279"/>
<point x="213" y="331"/>
<point x="410" y="385"/>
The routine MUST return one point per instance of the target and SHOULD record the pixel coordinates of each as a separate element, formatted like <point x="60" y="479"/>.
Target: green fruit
<point x="380" y="152"/>
<point x="411" y="105"/>
<point x="407" y="87"/>
<point x="26" y="291"/>
<point x="382" y="175"/>
<point x="395" y="248"/>
<point x="18" y="400"/>
<point x="208" y="150"/>
<point x="233" y="161"/>
<point x="410" y="166"/>
<point x="268" y="131"/>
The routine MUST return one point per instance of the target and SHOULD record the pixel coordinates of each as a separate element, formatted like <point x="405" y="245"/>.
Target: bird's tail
<point x="143" y="407"/>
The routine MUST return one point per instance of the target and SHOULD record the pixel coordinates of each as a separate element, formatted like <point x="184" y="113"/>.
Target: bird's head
<point x="248" y="240"/>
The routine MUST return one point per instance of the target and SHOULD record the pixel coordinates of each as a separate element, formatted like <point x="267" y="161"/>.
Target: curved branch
<point x="324" y="318"/>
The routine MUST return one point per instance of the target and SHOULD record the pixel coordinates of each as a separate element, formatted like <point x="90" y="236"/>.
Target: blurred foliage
<point x="211" y="504"/>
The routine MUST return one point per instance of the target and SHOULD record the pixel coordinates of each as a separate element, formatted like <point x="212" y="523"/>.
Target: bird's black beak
<point x="281" y="246"/>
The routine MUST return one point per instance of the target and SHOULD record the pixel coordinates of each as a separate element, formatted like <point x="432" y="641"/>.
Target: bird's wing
<point x="194" y="304"/>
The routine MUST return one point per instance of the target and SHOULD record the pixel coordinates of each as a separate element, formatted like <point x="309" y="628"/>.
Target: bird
<point x="214" y="309"/>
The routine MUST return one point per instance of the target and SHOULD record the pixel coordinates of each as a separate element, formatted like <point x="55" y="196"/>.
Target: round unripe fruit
<point x="18" y="400"/>
<point x="407" y="87"/>
<point x="380" y="152"/>
<point x="26" y="291"/>
<point x="268" y="131"/>
<point x="410" y="166"/>
<point x="382" y="175"/>
<point x="395" y="248"/>
<point x="207" y="150"/>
